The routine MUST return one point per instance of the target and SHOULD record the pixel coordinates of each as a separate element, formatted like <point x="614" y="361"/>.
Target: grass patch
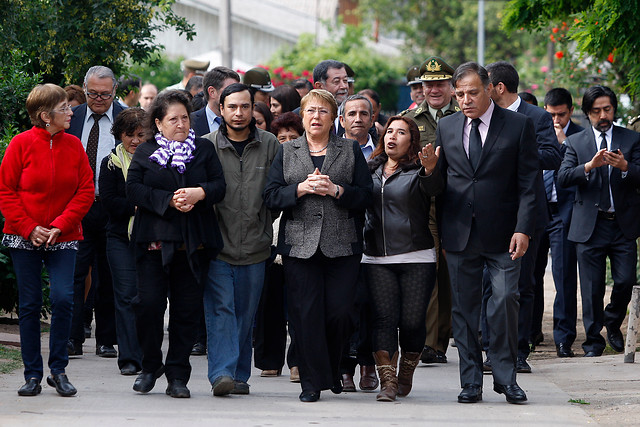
<point x="10" y="359"/>
<point x="579" y="401"/>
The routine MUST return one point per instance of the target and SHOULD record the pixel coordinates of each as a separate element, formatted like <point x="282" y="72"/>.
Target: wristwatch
<point x="337" y="191"/>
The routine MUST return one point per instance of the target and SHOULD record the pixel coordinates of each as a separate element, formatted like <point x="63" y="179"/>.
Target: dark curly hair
<point x="128" y="121"/>
<point x="288" y="120"/>
<point x="411" y="160"/>
<point x="160" y="105"/>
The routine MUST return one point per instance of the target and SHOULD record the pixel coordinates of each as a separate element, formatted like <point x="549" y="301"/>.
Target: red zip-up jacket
<point x="45" y="180"/>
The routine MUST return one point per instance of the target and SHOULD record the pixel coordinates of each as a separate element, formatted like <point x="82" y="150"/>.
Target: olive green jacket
<point x="245" y="222"/>
<point x="426" y="123"/>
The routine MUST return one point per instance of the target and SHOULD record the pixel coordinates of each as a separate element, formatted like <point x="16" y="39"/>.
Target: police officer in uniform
<point x="435" y="75"/>
<point x="259" y="83"/>
<point x="415" y="85"/>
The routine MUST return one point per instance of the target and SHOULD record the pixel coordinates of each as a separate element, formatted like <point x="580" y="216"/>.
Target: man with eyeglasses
<point x="91" y="122"/>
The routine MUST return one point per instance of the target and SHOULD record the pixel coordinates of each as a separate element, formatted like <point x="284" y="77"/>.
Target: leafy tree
<point x="605" y="33"/>
<point x="162" y="73"/>
<point x="64" y="38"/>
<point x="372" y="70"/>
<point x="449" y="29"/>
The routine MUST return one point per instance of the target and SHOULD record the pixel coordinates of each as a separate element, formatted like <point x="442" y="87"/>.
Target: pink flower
<point x="534" y="86"/>
<point x="544" y="69"/>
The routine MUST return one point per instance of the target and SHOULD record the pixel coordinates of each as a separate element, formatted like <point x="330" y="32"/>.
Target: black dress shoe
<point x="614" y="336"/>
<point x="522" y="367"/>
<point x="592" y="353"/>
<point x="106" y="351"/>
<point x="564" y="350"/>
<point x="441" y="357"/>
<point x="147" y="380"/>
<point x="199" y="349"/>
<point x="74" y="348"/>
<point x="486" y="365"/>
<point x="178" y="388"/>
<point x="309" y="396"/>
<point x="129" y="369"/>
<point x="513" y="392"/>
<point x="222" y="385"/>
<point x="337" y="386"/>
<point x="31" y="388"/>
<point x="471" y="393"/>
<point x="62" y="385"/>
<point x="429" y="355"/>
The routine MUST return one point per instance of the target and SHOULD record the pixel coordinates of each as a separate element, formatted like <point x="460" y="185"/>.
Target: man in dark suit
<point x="564" y="265"/>
<point x="489" y="161"/>
<point x="603" y="161"/>
<point x="505" y="80"/>
<point x="208" y="119"/>
<point x="91" y="122"/>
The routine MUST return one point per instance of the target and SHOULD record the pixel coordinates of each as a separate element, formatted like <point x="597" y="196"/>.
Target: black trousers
<point x="360" y="349"/>
<point x="92" y="252"/>
<point x="271" y="323"/>
<point x="184" y="290"/>
<point x="607" y="240"/>
<point x="320" y="295"/>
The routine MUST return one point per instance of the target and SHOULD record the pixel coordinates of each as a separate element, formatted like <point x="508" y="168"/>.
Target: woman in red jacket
<point x="46" y="187"/>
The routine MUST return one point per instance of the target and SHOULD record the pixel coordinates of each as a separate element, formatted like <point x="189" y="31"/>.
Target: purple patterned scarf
<point x="181" y="151"/>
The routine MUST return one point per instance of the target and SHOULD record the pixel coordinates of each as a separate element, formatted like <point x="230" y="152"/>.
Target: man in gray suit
<point x="489" y="160"/>
<point x="603" y="161"/>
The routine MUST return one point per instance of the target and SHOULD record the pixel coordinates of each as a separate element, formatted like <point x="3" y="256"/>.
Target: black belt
<point x="553" y="207"/>
<point x="607" y="215"/>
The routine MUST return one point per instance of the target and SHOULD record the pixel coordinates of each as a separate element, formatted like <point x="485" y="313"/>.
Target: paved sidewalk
<point x="105" y="398"/>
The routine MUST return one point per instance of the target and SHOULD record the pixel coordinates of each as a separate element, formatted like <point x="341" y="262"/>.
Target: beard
<point x="603" y="125"/>
<point x="238" y="128"/>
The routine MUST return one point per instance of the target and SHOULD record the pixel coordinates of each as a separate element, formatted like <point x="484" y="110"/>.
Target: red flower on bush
<point x="555" y="30"/>
<point x="610" y="57"/>
<point x="559" y="54"/>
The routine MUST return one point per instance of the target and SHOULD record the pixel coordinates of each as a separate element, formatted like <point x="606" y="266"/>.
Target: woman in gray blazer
<point x="323" y="186"/>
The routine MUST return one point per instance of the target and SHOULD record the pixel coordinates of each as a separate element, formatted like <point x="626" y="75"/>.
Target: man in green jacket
<point x="236" y="277"/>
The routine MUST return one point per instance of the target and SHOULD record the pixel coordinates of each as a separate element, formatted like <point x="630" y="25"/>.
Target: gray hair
<point x="357" y="97"/>
<point x="100" y="72"/>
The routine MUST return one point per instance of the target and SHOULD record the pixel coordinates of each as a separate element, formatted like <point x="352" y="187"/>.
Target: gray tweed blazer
<point x="315" y="222"/>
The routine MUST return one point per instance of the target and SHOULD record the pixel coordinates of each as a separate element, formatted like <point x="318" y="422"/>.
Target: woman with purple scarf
<point x="174" y="180"/>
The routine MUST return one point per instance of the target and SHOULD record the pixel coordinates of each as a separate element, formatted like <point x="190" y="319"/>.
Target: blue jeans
<point x="123" y="271"/>
<point x="28" y="266"/>
<point x="231" y="297"/>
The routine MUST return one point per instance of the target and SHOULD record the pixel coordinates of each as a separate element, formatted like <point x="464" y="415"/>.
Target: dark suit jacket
<point x="79" y="113"/>
<point x="199" y="122"/>
<point x="566" y="196"/>
<point x="548" y="153"/>
<point x="581" y="148"/>
<point x="500" y="193"/>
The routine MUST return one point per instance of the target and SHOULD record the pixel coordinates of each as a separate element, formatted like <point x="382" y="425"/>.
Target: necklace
<point x="318" y="151"/>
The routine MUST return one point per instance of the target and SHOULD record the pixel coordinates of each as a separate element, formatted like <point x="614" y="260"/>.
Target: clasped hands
<point x="44" y="236"/>
<point x="317" y="183"/>
<point x="185" y="198"/>
<point x="604" y="157"/>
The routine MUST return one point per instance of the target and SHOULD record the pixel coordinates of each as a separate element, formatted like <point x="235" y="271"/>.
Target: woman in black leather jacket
<point x="399" y="251"/>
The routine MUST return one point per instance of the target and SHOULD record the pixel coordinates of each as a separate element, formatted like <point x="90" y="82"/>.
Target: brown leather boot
<point x="408" y="363"/>
<point x="387" y="372"/>
<point x="368" y="378"/>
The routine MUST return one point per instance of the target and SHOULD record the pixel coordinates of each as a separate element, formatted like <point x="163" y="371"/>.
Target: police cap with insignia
<point x="413" y="75"/>
<point x="434" y="68"/>
<point x="258" y="78"/>
<point x="199" y="67"/>
<point x="351" y="75"/>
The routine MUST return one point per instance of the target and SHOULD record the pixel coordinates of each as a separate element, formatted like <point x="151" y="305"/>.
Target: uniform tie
<point x="439" y="115"/>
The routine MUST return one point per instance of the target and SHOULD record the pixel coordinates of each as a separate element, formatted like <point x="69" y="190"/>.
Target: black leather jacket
<point x="398" y="221"/>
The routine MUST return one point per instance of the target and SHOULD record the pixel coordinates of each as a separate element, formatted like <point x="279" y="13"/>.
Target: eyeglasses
<point x="313" y="111"/>
<point x="64" y="109"/>
<point x="94" y="95"/>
